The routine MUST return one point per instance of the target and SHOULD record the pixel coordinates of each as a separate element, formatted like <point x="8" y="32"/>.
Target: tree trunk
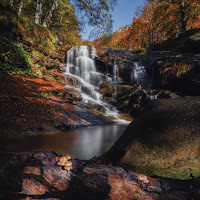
<point x="20" y="8"/>
<point x="38" y="13"/>
<point x="50" y="13"/>
<point x="183" y="19"/>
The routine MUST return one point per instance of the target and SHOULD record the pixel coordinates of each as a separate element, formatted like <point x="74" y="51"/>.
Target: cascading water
<point x="116" y="78"/>
<point x="93" y="53"/>
<point x="81" y="73"/>
<point x="139" y="75"/>
<point x="81" y="69"/>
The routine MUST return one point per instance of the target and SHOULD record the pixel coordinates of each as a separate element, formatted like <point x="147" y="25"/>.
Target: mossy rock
<point x="163" y="140"/>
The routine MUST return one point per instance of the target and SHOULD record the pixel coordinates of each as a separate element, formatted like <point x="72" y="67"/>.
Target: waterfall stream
<point x="81" y="72"/>
<point x="139" y="75"/>
<point x="116" y="78"/>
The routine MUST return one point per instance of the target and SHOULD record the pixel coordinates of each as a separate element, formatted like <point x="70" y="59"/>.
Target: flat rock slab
<point x="36" y="175"/>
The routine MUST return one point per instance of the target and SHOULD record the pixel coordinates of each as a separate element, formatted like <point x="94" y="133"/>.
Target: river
<point x="83" y="143"/>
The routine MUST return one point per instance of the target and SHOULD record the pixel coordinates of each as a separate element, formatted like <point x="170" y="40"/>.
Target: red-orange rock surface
<point x="37" y="176"/>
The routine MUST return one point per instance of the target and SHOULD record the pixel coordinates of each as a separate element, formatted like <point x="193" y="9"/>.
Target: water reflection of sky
<point x="81" y="143"/>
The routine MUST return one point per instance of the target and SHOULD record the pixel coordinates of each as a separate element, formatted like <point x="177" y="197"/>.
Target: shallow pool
<point x="83" y="143"/>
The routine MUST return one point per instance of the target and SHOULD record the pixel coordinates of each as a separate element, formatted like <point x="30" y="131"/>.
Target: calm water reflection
<point x="80" y="143"/>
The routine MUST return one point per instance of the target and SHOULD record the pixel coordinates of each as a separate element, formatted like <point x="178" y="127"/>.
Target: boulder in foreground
<point x="37" y="176"/>
<point x="163" y="140"/>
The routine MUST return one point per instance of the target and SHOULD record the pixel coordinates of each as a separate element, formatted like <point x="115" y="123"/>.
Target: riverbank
<point x="31" y="104"/>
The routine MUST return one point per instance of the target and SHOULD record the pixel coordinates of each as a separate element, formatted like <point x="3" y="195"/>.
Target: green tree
<point x="95" y="12"/>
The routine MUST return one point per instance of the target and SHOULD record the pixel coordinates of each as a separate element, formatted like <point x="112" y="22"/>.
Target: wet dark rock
<point x="112" y="92"/>
<point x="36" y="175"/>
<point x="85" y="90"/>
<point x="161" y="94"/>
<point x="14" y="98"/>
<point x="159" y="67"/>
<point x="107" y="90"/>
<point x="155" y="78"/>
<point x="132" y="99"/>
<point x="164" y="95"/>
<point x="33" y="129"/>
<point x="126" y="98"/>
<point x="137" y="100"/>
<point x="186" y="82"/>
<point x="101" y="66"/>
<point x="63" y="127"/>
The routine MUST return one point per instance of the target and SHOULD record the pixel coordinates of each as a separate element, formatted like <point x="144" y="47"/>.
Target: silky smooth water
<point x="81" y="72"/>
<point x="139" y="75"/>
<point x="83" y="143"/>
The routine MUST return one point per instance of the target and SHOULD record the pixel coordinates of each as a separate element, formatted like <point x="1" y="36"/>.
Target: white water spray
<point x="139" y="75"/>
<point x="116" y="78"/>
<point x="81" y="73"/>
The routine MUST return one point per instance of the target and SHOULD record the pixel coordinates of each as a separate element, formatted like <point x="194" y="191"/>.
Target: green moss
<point x="181" y="173"/>
<point x="37" y="54"/>
<point x="40" y="35"/>
<point x="50" y="93"/>
<point x="37" y="70"/>
<point x="13" y="58"/>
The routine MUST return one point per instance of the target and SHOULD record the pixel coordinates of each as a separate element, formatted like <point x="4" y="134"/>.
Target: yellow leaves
<point x="156" y="22"/>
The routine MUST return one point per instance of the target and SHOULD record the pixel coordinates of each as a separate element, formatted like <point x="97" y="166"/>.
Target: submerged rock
<point x="37" y="175"/>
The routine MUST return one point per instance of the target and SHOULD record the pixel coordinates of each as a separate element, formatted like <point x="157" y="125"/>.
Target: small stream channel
<point x="83" y="143"/>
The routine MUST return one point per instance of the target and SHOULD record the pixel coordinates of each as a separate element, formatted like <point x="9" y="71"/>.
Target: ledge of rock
<point x="36" y="175"/>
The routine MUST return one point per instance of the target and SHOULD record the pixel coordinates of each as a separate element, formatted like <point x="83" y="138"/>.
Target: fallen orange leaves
<point x="22" y="104"/>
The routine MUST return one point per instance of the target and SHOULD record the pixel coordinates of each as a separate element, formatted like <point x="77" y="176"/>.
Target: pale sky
<point x="122" y="15"/>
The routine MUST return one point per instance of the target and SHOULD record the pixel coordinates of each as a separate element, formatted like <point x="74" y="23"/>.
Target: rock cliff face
<point x="37" y="176"/>
<point x="162" y="140"/>
<point x="173" y="71"/>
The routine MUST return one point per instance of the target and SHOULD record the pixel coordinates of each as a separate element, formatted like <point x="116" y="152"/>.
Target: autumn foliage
<point x="31" y="102"/>
<point x="155" y="23"/>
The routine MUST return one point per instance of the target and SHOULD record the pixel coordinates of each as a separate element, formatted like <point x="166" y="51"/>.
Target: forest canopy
<point x="60" y="15"/>
<point x="156" y="22"/>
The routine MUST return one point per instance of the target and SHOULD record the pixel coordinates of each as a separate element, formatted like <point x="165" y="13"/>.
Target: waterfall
<point x="93" y="53"/>
<point x="139" y="75"/>
<point x="81" y="72"/>
<point x="116" y="78"/>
